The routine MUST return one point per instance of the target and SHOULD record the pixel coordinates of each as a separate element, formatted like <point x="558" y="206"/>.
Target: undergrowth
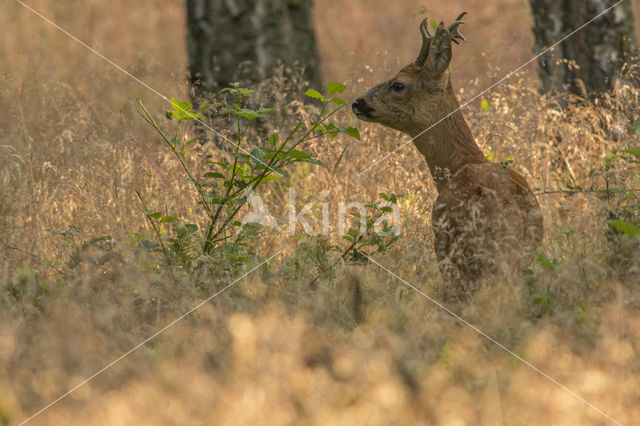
<point x="103" y="243"/>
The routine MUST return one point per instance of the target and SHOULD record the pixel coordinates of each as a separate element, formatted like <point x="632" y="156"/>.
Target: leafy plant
<point x="222" y="190"/>
<point x="363" y="237"/>
<point x="543" y="297"/>
<point x="620" y="193"/>
<point x="616" y="185"/>
<point x="366" y="236"/>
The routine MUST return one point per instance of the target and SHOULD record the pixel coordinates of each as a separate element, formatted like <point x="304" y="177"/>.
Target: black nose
<point x="360" y="105"/>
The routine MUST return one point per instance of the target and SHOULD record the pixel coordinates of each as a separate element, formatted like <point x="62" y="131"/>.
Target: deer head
<point x="420" y="94"/>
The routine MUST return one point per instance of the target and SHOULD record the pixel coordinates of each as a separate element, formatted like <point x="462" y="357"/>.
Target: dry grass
<point x="272" y="350"/>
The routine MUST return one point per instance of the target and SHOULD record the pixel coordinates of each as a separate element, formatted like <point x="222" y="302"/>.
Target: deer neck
<point x="449" y="145"/>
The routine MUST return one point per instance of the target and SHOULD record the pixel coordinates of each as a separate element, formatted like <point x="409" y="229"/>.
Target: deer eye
<point x="398" y="86"/>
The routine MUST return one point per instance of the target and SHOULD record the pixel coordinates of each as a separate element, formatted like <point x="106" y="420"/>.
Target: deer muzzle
<point x="361" y="109"/>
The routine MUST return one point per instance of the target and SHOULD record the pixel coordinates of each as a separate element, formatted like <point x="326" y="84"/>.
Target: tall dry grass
<point x="273" y="350"/>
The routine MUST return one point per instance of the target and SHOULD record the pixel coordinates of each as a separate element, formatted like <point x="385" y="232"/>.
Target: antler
<point x="453" y="29"/>
<point x="426" y="41"/>
<point x="427" y="37"/>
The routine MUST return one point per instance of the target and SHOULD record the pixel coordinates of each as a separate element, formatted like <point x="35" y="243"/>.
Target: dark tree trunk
<point x="598" y="50"/>
<point x="230" y="40"/>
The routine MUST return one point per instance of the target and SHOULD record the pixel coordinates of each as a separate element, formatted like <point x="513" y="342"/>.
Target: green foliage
<point x="544" y="299"/>
<point x="180" y="111"/>
<point x="616" y="185"/>
<point x="627" y="228"/>
<point x="222" y="190"/>
<point x="247" y="113"/>
<point x="365" y="240"/>
<point x="621" y="197"/>
<point x="25" y="286"/>
<point x="333" y="88"/>
<point x="541" y="293"/>
<point x="551" y="265"/>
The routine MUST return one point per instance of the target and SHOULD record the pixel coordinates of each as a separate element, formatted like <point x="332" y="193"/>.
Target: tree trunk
<point x="586" y="63"/>
<point x="230" y="40"/>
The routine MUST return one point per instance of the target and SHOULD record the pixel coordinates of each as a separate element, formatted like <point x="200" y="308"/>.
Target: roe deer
<point x="485" y="219"/>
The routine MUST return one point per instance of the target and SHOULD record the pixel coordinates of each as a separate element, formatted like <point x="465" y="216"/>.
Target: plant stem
<point x="208" y="245"/>
<point x="196" y="182"/>
<point x="155" y="228"/>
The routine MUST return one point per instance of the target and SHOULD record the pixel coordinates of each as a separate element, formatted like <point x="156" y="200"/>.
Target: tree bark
<point x="230" y="40"/>
<point x="587" y="62"/>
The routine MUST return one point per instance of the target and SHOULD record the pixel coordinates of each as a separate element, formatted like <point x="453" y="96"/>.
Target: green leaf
<point x="632" y="151"/>
<point x="218" y="199"/>
<point x="333" y="88"/>
<point x="244" y="92"/>
<point x="485" y="105"/>
<point x="353" y="132"/>
<point x="249" y="114"/>
<point x="549" y="264"/>
<point x="296" y="156"/>
<point x="265" y="111"/>
<point x="273" y="139"/>
<point x="315" y="94"/>
<point x="258" y="155"/>
<point x="232" y="85"/>
<point x="235" y="89"/>
<point x="394" y="197"/>
<point x="269" y="177"/>
<point x="181" y="110"/>
<point x="156" y="215"/>
<point x="338" y="101"/>
<point x="628" y="228"/>
<point x="239" y="201"/>
<point x="273" y="168"/>
<point x="331" y="130"/>
<point x="314" y="161"/>
<point x="204" y="106"/>
<point x="218" y="163"/>
<point x="300" y="155"/>
<point x="181" y="107"/>
<point x="214" y="175"/>
<point x="168" y="219"/>
<point x="228" y="111"/>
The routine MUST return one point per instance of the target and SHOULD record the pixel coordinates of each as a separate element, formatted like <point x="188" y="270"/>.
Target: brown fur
<point x="485" y="219"/>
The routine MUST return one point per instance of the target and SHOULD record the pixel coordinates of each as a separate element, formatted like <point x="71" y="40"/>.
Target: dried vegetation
<point x="358" y="347"/>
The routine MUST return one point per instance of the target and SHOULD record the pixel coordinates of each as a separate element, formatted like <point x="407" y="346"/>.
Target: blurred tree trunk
<point x="599" y="50"/>
<point x="230" y="40"/>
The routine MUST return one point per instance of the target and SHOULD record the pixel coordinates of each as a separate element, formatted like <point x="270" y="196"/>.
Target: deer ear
<point x="439" y="55"/>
